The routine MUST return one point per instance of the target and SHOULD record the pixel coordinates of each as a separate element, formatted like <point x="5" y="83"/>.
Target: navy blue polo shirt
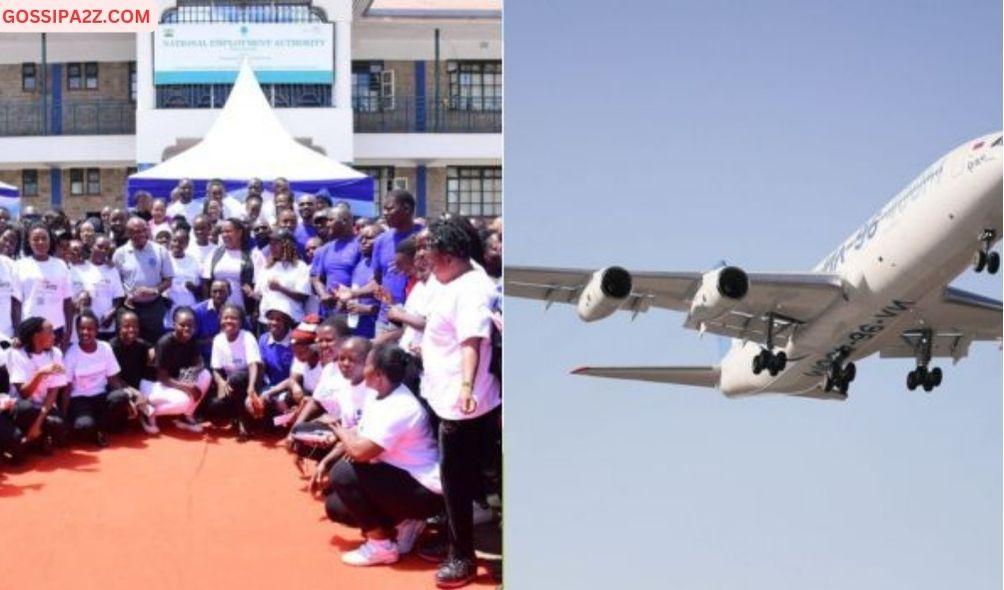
<point x="277" y="356"/>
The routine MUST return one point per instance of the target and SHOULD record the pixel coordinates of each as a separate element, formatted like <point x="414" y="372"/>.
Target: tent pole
<point x="436" y="78"/>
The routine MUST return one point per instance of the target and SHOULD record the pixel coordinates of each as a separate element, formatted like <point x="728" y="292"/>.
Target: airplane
<point x="884" y="290"/>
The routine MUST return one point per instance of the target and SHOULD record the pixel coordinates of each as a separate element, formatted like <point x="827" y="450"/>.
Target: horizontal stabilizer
<point x="698" y="376"/>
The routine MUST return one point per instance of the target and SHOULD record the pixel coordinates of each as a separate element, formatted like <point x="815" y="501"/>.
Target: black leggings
<point x="25" y="414"/>
<point x="464" y="446"/>
<point x="98" y="413"/>
<point x="10" y="437"/>
<point x="377" y="495"/>
<point x="223" y="409"/>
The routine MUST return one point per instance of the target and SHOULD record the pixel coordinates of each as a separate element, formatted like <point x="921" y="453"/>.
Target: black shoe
<point x="102" y="440"/>
<point x="456" y="573"/>
<point x="433" y="551"/>
<point x="46" y="445"/>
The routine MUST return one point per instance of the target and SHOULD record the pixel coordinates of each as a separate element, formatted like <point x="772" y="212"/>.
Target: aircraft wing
<point x="794" y="297"/>
<point x="956" y="318"/>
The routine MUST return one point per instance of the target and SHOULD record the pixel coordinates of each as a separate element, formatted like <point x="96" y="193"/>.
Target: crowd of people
<point x="371" y="346"/>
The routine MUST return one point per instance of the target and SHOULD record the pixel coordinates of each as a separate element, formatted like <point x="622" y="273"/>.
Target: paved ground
<point x="182" y="511"/>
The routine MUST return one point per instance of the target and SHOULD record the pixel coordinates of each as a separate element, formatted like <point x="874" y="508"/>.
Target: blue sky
<point x="669" y="136"/>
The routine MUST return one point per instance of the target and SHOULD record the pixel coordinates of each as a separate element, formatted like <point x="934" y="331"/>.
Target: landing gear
<point x="985" y="258"/>
<point x="923" y="376"/>
<point x="772" y="362"/>
<point x="839" y="376"/>
<point x="767" y="360"/>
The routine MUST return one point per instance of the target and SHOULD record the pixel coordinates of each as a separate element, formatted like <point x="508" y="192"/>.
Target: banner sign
<point x="10" y="200"/>
<point x="212" y="53"/>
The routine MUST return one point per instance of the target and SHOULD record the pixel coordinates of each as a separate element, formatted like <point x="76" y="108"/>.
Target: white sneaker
<point x="149" y="424"/>
<point x="407" y="533"/>
<point x="188" y="423"/>
<point x="372" y="553"/>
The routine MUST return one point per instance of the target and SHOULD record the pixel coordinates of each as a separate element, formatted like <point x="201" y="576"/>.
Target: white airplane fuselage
<point x="918" y="243"/>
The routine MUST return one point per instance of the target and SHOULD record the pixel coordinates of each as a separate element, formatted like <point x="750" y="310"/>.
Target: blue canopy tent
<point x="247" y="141"/>
<point x="10" y="199"/>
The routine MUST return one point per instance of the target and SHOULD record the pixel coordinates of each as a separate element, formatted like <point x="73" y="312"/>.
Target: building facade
<point x="416" y="102"/>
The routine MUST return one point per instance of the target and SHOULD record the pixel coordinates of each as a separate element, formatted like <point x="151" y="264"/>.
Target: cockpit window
<point x="997" y="142"/>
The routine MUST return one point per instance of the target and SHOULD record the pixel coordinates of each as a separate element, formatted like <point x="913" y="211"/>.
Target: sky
<point x="671" y="136"/>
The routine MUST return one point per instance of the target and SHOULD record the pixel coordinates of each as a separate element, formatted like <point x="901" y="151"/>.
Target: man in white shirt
<point x="186" y="205"/>
<point x="146" y="271"/>
<point x="103" y="286"/>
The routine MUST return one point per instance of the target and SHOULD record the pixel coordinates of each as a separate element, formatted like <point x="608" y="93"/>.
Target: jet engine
<point x="605" y="292"/>
<point x="720" y="291"/>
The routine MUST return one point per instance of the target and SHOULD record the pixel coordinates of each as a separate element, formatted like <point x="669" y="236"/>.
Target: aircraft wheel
<point x="828" y="385"/>
<point x="757" y="364"/>
<point x="928" y="386"/>
<point x="980" y="261"/>
<point x="850" y="372"/>
<point x="843" y="386"/>
<point x="935" y="376"/>
<point x="782" y="360"/>
<point x="911" y="380"/>
<point x="921" y="375"/>
<point x="993" y="262"/>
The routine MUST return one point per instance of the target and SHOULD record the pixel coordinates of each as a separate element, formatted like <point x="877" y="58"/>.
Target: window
<point x="82" y="76"/>
<point x="93" y="181"/>
<point x="132" y="81"/>
<point x="29" y="77"/>
<point x="85" y="181"/>
<point x="474" y="191"/>
<point x="91" y="75"/>
<point x="475" y="85"/>
<point x="29" y="183"/>
<point x="73" y="73"/>
<point x="383" y="179"/>
<point x="372" y="87"/>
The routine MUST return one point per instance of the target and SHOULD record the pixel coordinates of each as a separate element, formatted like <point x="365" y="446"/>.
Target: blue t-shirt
<point x="393" y="280"/>
<point x="361" y="275"/>
<point x="277" y="356"/>
<point x="302" y="233"/>
<point x="334" y="262"/>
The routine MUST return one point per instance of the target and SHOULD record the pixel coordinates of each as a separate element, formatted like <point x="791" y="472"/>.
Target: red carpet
<point x="178" y="511"/>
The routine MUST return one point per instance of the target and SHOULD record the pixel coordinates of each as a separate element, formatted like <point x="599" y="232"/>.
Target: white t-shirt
<point x="23" y="367"/>
<point x="104" y="285"/>
<point x="227" y="269"/>
<point x="200" y="253"/>
<point x="189" y="210"/>
<point x="400" y="425"/>
<point x="311" y="375"/>
<point x="459" y="310"/>
<point x="186" y="270"/>
<point x="340" y="398"/>
<point x="295" y="276"/>
<point x="10" y="288"/>
<point x="44" y="286"/>
<point x="234" y="356"/>
<point x="89" y="372"/>
<point x="416" y="304"/>
<point x="157" y="228"/>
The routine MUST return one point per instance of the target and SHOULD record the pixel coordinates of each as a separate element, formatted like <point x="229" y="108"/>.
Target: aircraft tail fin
<point x="696" y="376"/>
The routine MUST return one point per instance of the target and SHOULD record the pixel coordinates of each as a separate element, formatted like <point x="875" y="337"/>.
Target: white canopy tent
<point x="248" y="141"/>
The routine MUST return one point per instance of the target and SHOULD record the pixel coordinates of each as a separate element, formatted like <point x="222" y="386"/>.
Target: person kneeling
<point x="99" y="398"/>
<point x="389" y="483"/>
<point x="237" y="368"/>
<point x="182" y="380"/>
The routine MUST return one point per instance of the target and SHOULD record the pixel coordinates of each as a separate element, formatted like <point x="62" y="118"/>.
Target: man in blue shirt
<point x="275" y="347"/>
<point x="335" y="261"/>
<point x="306" y="205"/>
<point x="366" y="307"/>
<point x="207" y="317"/>
<point x="399" y="213"/>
